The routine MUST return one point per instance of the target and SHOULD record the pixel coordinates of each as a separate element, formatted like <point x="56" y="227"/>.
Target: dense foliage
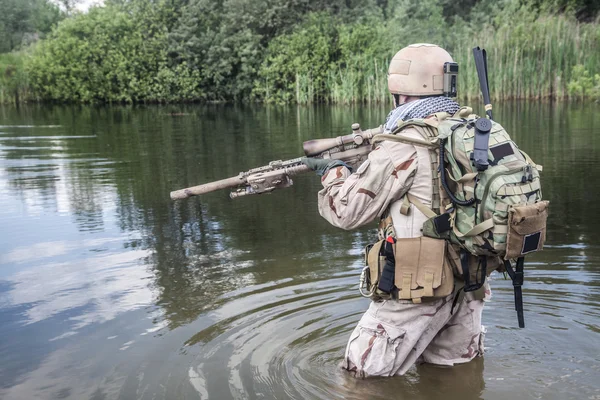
<point x="287" y="50"/>
<point x="24" y="21"/>
<point x="110" y="55"/>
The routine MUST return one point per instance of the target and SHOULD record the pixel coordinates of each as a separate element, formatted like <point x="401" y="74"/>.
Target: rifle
<point x="353" y="149"/>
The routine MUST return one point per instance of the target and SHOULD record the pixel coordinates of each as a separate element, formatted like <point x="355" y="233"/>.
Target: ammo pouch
<point x="422" y="270"/>
<point x="526" y="229"/>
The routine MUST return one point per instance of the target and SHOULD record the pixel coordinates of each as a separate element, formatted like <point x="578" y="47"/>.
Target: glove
<point x="321" y="166"/>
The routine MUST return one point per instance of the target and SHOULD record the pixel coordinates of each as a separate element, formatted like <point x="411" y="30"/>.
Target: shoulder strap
<point x="428" y="212"/>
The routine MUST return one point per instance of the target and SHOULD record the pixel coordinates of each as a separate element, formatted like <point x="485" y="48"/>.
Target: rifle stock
<point x="352" y="149"/>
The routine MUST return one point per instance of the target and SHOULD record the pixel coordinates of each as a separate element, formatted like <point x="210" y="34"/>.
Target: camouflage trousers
<point x="395" y="334"/>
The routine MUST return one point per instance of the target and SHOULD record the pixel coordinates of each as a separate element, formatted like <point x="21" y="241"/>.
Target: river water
<point x="109" y="290"/>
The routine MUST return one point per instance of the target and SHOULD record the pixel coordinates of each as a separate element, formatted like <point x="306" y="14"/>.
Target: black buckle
<point x="518" y="278"/>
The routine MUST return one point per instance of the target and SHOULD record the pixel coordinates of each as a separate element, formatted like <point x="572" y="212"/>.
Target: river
<point x="110" y="290"/>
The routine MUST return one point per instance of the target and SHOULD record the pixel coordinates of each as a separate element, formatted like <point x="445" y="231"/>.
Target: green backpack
<point x="495" y="216"/>
<point x="506" y="198"/>
<point x="509" y="187"/>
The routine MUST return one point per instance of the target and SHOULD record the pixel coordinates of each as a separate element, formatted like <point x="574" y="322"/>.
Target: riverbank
<point x="149" y="53"/>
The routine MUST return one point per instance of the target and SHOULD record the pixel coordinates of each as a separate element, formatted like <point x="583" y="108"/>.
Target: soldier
<point x="394" y="334"/>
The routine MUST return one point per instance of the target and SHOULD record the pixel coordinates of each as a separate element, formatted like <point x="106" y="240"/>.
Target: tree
<point x="68" y="5"/>
<point x="24" y="21"/>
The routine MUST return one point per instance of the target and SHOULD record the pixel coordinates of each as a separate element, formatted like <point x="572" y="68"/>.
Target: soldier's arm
<point x="349" y="200"/>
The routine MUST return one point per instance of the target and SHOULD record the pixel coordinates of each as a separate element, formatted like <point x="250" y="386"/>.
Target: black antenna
<point x="482" y="125"/>
<point x="482" y="72"/>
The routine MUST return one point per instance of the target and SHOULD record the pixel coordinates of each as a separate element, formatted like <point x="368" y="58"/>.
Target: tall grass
<point x="364" y="82"/>
<point x="531" y="59"/>
<point x="14" y="82"/>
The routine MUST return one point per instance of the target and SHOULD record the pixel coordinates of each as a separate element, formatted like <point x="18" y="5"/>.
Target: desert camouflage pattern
<point x="392" y="169"/>
<point x="351" y="200"/>
<point x="395" y="334"/>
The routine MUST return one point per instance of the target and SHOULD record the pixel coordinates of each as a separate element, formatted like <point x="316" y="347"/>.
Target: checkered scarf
<point x="419" y="109"/>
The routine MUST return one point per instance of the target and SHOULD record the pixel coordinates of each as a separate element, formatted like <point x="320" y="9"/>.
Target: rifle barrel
<point x="207" y="187"/>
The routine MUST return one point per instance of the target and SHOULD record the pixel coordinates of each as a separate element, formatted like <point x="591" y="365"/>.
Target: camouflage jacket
<point x="349" y="200"/>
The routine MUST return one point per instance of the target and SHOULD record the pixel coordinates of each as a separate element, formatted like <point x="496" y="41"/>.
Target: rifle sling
<point x="517" y="276"/>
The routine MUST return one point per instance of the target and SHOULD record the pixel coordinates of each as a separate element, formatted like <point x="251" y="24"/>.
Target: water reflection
<point x="110" y="290"/>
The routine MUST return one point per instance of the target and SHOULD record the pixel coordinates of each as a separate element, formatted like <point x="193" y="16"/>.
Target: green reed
<point x="359" y="83"/>
<point x="14" y="83"/>
<point x="527" y="59"/>
<point x="530" y="60"/>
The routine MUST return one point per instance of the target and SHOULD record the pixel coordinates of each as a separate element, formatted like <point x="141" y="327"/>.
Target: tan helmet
<point x="418" y="70"/>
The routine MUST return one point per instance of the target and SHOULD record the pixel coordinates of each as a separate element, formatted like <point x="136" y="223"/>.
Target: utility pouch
<point x="375" y="260"/>
<point x="526" y="229"/>
<point x="438" y="227"/>
<point x="422" y="269"/>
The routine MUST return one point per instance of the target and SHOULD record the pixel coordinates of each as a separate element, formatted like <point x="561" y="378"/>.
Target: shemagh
<point x="419" y="109"/>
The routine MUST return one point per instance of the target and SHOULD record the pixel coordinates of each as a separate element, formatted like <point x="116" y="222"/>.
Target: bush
<point x="297" y="51"/>
<point x="583" y="85"/>
<point x="108" y="56"/>
<point x="14" y="81"/>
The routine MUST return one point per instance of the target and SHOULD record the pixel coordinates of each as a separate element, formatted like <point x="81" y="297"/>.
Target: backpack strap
<point x="477" y="229"/>
<point x="428" y="212"/>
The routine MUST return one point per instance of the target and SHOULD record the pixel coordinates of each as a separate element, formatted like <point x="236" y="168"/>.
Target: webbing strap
<point x="436" y="196"/>
<point x="428" y="285"/>
<point x="467" y="177"/>
<point x="520" y="189"/>
<point x="439" y="117"/>
<point x="405" y="206"/>
<point x="517" y="277"/>
<point x="500" y="247"/>
<point x="405" y="289"/>
<point x="428" y="212"/>
<point x="501" y="229"/>
<point x="431" y="122"/>
<point x="477" y="229"/>
<point x="501" y="207"/>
